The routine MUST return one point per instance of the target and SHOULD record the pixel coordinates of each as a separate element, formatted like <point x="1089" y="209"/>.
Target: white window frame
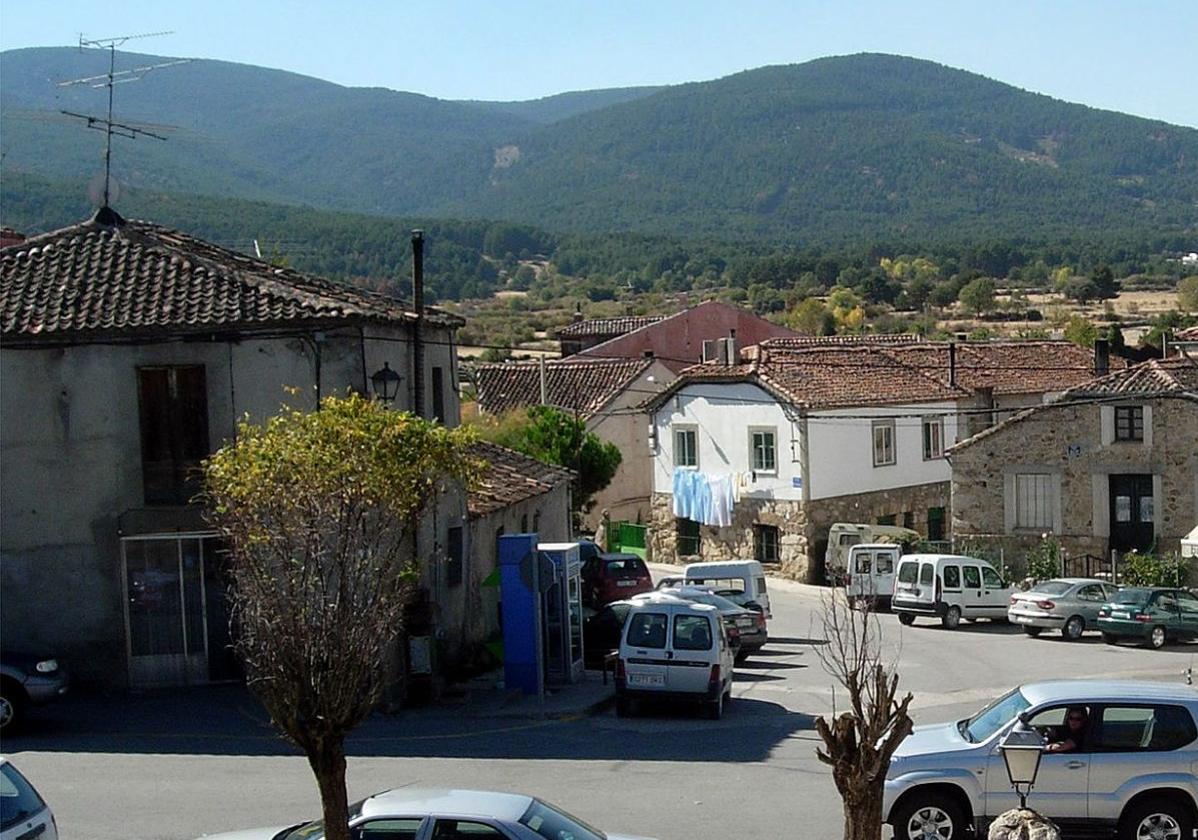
<point x="936" y="423"/>
<point x="772" y="431"/>
<point x="888" y="426"/>
<point x="687" y="429"/>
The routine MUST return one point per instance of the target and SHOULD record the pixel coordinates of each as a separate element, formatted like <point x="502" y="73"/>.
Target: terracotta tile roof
<point x="603" y="327"/>
<point x="108" y="275"/>
<point x="839" y="340"/>
<point x="1188" y="334"/>
<point x="510" y="477"/>
<point x="1007" y="367"/>
<point x="573" y="384"/>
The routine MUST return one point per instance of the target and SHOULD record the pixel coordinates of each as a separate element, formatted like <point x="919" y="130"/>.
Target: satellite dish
<point x="95" y="190"/>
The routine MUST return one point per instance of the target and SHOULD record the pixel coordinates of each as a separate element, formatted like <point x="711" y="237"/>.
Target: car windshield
<point x="625" y="567"/>
<point x="1132" y="596"/>
<point x="553" y="824"/>
<point x="1052" y="587"/>
<point x="315" y="830"/>
<point x="992" y="718"/>
<point x="18" y="800"/>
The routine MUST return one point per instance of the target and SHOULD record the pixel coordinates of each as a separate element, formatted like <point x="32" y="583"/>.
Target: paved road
<point x="177" y="765"/>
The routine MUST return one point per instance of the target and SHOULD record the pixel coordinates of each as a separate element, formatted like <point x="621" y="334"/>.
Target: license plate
<point x="1024" y="619"/>
<point x="646" y="679"/>
<point x="625" y="583"/>
<point x="1120" y="615"/>
<point x="744" y="622"/>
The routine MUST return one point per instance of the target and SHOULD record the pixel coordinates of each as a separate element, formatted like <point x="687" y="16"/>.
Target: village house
<point x="606" y="394"/>
<point x="1111" y="465"/>
<point x="816" y="432"/>
<point x="128" y="353"/>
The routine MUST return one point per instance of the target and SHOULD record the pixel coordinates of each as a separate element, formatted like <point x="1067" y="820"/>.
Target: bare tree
<point x="318" y="510"/>
<point x="859" y="742"/>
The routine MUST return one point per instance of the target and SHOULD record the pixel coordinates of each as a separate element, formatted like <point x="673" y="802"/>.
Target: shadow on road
<point x="228" y="720"/>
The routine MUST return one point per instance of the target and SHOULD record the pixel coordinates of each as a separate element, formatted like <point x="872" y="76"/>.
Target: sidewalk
<point x="484" y="697"/>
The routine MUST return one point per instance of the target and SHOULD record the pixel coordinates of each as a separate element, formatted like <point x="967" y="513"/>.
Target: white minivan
<point x="740" y="581"/>
<point x="871" y="573"/>
<point x="949" y="587"/>
<point x="676" y="650"/>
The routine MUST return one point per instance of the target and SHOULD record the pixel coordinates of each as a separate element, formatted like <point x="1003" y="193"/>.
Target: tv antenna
<point x="110" y="80"/>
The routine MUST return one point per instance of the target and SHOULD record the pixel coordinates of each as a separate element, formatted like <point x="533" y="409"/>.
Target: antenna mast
<point x="110" y="80"/>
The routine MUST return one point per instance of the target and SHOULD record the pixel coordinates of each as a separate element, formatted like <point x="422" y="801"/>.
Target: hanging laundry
<point x="720" y="487"/>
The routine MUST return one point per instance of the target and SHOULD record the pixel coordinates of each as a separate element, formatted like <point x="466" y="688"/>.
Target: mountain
<point x="838" y="150"/>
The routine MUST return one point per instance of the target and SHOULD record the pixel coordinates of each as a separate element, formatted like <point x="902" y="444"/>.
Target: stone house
<point x="606" y="393"/>
<point x="583" y="334"/>
<point x="128" y="353"/>
<point x="1109" y="466"/>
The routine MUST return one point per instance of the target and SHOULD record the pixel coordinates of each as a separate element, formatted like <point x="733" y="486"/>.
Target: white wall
<point x="841" y="449"/>
<point x="723" y="415"/>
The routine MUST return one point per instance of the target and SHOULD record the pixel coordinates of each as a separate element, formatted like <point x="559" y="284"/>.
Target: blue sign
<point x="797" y="481"/>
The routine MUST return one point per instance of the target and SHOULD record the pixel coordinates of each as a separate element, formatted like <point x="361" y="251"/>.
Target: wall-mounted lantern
<point x="385" y="383"/>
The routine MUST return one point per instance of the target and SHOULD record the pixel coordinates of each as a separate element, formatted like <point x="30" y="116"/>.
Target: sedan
<point x="1153" y="616"/>
<point x="1070" y="605"/>
<point x="27" y="680"/>
<point x="415" y="814"/>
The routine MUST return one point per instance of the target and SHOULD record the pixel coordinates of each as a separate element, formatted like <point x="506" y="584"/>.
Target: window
<point x="933" y="438"/>
<point x="927" y="572"/>
<point x="388" y="829"/>
<point x="973" y="580"/>
<point x="908" y="572"/>
<point x="763" y="449"/>
<point x="1033" y="502"/>
<point x="991" y="579"/>
<point x="888" y="519"/>
<point x="647" y="630"/>
<point x="909" y="519"/>
<point x="1129" y="422"/>
<point x="439" y="395"/>
<point x="952" y="577"/>
<point x="463" y="830"/>
<point x="688" y="538"/>
<point x="936" y="517"/>
<point x="692" y="632"/>
<point x="1145" y="728"/>
<point x="883" y="443"/>
<point x="553" y="824"/>
<point x="686" y="448"/>
<point x="765" y="543"/>
<point x="17" y="798"/>
<point x="1093" y="592"/>
<point x="885" y="562"/>
<point x="173" y="411"/>
<point x="455" y="550"/>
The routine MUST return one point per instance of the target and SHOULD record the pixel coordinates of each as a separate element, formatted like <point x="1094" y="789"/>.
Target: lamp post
<point x="385" y="383"/>
<point x="1021" y="751"/>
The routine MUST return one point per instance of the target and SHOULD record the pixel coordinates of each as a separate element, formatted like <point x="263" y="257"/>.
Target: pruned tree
<point x="318" y="510"/>
<point x="859" y="742"/>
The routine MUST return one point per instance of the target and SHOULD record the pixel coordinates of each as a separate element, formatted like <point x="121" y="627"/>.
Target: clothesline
<point x="706" y="499"/>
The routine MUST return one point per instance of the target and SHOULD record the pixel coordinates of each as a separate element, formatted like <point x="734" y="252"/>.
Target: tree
<point x="1081" y="289"/>
<point x="811" y="317"/>
<point x="978" y="295"/>
<point x="1105" y="282"/>
<point x="319" y="510"/>
<point x="557" y="437"/>
<point x="1081" y="331"/>
<point x="859" y="742"/>
<point x="1187" y="294"/>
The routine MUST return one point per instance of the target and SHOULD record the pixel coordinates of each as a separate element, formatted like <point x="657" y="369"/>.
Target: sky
<point x="1138" y="56"/>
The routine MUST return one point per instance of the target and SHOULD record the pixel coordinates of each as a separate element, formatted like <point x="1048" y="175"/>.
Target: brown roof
<point x="108" y="275"/>
<point x="1188" y="334"/>
<point x="573" y="384"/>
<point x="510" y="477"/>
<point x="839" y="340"/>
<point x="600" y="327"/>
<point x="1008" y="367"/>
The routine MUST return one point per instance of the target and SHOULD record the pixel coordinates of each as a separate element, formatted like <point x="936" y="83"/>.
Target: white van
<point x="673" y="649"/>
<point x="949" y="587"/>
<point x="871" y="571"/>
<point x="741" y="581"/>
<point x="842" y="536"/>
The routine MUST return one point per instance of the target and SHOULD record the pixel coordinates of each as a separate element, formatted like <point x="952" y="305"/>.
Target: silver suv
<point x="1134" y="776"/>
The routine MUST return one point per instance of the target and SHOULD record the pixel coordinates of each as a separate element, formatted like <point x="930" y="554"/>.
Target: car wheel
<point x="1033" y="631"/>
<point x="952" y="618"/>
<point x="1166" y="819"/>
<point x="1074" y="628"/>
<point x="1157" y="638"/>
<point x="12" y="706"/>
<point x="906" y="618"/>
<point x="1110" y="638"/>
<point x="715" y="709"/>
<point x="931" y="816"/>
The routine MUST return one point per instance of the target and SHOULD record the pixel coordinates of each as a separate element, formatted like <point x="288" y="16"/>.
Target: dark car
<point x="1152" y="615"/>
<point x="601" y="631"/>
<point x="613" y="577"/>
<point x="747" y="629"/>
<point x="27" y="680"/>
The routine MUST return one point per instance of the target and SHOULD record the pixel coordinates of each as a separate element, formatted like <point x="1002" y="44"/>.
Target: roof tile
<point x="510" y="477"/>
<point x="572" y="384"/>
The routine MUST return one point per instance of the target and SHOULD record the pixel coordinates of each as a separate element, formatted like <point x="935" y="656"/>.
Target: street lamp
<point x="1021" y="751"/>
<point x="385" y="383"/>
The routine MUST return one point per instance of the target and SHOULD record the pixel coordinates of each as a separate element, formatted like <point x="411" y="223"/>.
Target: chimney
<point x="417" y="339"/>
<point x="541" y="372"/>
<point x="962" y="337"/>
<point x="577" y="312"/>
<point x="1102" y="357"/>
<point x="731" y="356"/>
<point x="952" y="364"/>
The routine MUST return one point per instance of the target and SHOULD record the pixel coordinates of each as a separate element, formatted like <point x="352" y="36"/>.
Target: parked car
<point x="740" y="581"/>
<point x="870" y="576"/>
<point x="601" y="631"/>
<point x="949" y="587"/>
<point x="613" y="577"/>
<point x="23" y="813"/>
<point x="1154" y="616"/>
<point x="27" y="680"/>
<point x="430" y="814"/>
<point x="673" y="649"/>
<point x="1135" y="777"/>
<point x="1070" y="605"/>
<point x="842" y="536"/>
<point x="747" y="629"/>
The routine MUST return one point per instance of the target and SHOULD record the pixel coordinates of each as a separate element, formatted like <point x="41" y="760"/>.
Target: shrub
<point x="1044" y="561"/>
<point x="1138" y="569"/>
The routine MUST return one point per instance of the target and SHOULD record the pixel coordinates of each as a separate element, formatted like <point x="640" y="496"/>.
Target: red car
<point x="613" y="577"/>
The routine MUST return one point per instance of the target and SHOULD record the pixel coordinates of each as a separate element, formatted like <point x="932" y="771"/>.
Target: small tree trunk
<point x="327" y="760"/>
<point x="863" y="814"/>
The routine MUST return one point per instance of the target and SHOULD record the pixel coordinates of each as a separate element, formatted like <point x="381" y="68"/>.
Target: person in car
<point x="1072" y="736"/>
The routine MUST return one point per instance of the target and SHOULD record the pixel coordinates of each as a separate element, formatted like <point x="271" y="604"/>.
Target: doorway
<point x="1133" y="512"/>
<point x="176" y="615"/>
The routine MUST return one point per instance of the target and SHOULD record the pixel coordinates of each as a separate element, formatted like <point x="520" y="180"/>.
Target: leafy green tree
<point x="1081" y="331"/>
<point x="978" y="295"/>
<point x="1105" y="282"/>
<point x="1187" y="294"/>
<point x="1081" y="289"/>
<point x="557" y="437"/>
<point x="318" y="509"/>
<point x="811" y="317"/>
